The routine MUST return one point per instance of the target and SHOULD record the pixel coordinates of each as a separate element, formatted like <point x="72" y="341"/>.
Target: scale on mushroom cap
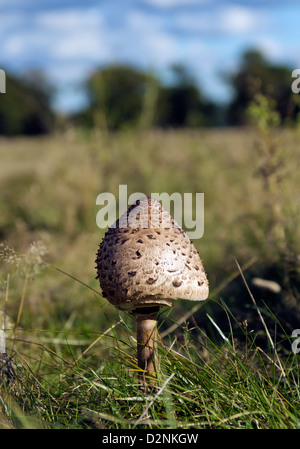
<point x="144" y="262"/>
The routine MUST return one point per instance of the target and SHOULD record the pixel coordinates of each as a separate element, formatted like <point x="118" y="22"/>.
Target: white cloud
<point x="77" y="45"/>
<point x="227" y="20"/>
<point x="62" y="35"/>
<point x="69" y="19"/>
<point x="24" y="45"/>
<point x="147" y="39"/>
<point x="160" y="48"/>
<point x="11" y="42"/>
<point x="64" y="73"/>
<point x="74" y="33"/>
<point x="239" y="20"/>
<point x="174" y="3"/>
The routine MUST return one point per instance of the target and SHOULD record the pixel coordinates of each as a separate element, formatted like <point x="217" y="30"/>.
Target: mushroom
<point x="146" y="261"/>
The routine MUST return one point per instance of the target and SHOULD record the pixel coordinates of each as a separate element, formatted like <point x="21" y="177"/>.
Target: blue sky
<point x="69" y="39"/>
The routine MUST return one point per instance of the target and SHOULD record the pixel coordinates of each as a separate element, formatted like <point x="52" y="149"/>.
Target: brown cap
<point x="146" y="259"/>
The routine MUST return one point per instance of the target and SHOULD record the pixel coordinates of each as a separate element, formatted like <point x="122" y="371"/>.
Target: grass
<point x="71" y="357"/>
<point x="201" y="385"/>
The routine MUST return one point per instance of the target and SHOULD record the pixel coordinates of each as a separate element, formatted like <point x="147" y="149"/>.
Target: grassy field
<point x="71" y="357"/>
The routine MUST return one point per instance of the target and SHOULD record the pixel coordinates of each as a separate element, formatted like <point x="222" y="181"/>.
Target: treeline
<point x="124" y="97"/>
<point x="25" y="107"/>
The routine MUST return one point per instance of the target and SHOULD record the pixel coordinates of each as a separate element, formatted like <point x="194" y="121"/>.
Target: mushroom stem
<point x="147" y="341"/>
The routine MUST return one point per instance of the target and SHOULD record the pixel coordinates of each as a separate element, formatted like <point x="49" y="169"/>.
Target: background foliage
<point x="120" y="96"/>
<point x="68" y="358"/>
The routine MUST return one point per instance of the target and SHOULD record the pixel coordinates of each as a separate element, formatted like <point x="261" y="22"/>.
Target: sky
<point x="68" y="40"/>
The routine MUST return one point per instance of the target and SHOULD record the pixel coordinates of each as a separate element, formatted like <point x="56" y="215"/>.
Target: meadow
<point x="70" y="358"/>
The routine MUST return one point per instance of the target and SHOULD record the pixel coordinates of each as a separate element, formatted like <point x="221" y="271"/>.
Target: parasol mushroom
<point x="146" y="261"/>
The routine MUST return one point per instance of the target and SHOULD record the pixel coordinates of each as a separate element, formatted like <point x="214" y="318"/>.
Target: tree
<point x="182" y="103"/>
<point x="117" y="97"/>
<point x="257" y="75"/>
<point x="121" y="96"/>
<point x="25" y="107"/>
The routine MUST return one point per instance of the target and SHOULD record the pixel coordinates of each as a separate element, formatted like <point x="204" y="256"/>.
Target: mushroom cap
<point x="145" y="259"/>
